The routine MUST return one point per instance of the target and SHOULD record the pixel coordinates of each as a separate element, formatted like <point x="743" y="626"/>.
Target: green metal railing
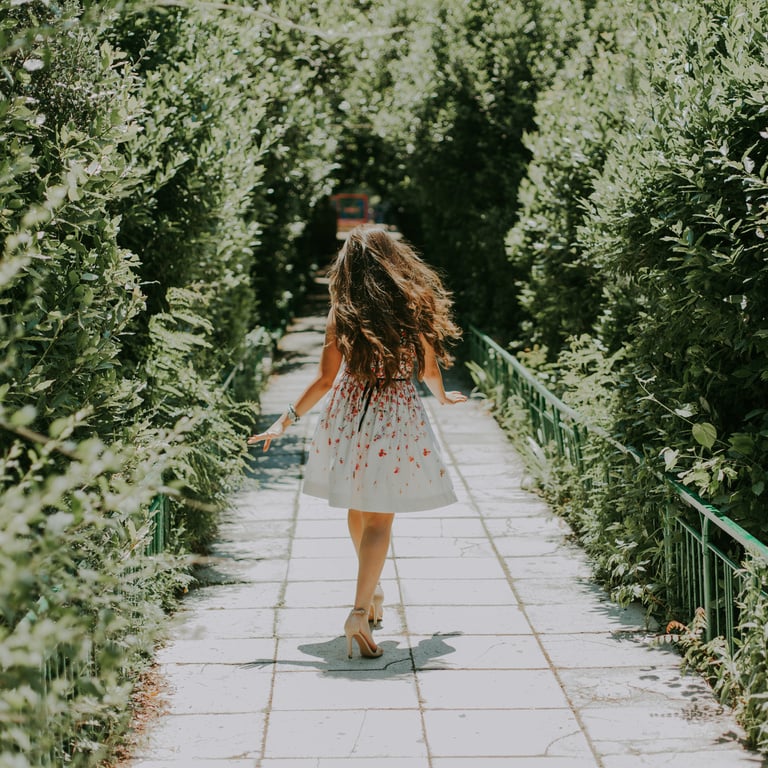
<point x="552" y="421"/>
<point x="703" y="556"/>
<point x="66" y="666"/>
<point x="703" y="547"/>
<point x="161" y="525"/>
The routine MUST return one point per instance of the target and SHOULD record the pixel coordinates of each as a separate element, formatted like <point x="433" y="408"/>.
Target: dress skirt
<point x="374" y="450"/>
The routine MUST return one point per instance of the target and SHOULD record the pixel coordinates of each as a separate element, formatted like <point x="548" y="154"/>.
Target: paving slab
<point x="499" y="649"/>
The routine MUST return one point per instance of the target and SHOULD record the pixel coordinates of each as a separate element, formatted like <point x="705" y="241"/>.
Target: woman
<point x="374" y="451"/>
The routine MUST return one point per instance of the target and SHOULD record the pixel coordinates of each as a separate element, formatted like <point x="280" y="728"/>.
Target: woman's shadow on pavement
<point x="330" y="658"/>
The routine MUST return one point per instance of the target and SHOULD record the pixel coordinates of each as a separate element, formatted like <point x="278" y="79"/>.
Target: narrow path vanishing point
<point x="498" y="648"/>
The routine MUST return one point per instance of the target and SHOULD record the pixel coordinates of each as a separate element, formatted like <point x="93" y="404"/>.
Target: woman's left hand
<point x="451" y="398"/>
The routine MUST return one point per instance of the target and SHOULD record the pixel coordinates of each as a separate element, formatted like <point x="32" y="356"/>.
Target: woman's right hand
<point x="451" y="398"/>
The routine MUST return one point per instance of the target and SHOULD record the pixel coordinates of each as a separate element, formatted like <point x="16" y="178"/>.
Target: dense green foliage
<point x="157" y="171"/>
<point x="588" y="104"/>
<point x="79" y="461"/>
<point x="681" y="218"/>
<point x="439" y="121"/>
<point x="644" y="231"/>
<point x="643" y="225"/>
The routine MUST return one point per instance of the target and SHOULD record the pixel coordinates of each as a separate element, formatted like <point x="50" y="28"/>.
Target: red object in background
<point x="351" y="210"/>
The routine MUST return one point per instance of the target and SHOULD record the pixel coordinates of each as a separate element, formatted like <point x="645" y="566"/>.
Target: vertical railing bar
<point x="730" y="624"/>
<point x="706" y="572"/>
<point x="667" y="541"/>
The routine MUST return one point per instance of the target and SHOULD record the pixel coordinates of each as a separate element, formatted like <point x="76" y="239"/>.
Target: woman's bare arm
<point x="330" y="362"/>
<point x="433" y="378"/>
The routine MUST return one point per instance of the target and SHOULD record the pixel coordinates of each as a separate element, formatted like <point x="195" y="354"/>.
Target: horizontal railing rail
<point x="699" y="573"/>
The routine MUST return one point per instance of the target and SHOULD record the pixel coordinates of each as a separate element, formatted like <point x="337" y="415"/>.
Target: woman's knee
<point x="379" y="521"/>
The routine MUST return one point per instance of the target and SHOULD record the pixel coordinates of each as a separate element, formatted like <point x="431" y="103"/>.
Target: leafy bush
<point x="678" y="216"/>
<point x="135" y="194"/>
<point x="590" y="102"/>
<point x="643" y="226"/>
<point x="70" y="290"/>
<point x="438" y="127"/>
<point x="79" y="603"/>
<point x="234" y="166"/>
<point x="190" y="221"/>
<point x="747" y="683"/>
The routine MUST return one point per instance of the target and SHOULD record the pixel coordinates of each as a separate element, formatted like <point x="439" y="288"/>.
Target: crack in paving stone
<point x="359" y="732"/>
<point x="564" y="737"/>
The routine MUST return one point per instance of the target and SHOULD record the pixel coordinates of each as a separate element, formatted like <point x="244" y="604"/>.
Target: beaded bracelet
<point x="292" y="413"/>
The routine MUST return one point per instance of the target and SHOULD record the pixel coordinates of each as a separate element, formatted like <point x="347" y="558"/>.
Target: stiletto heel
<point x="356" y="628"/>
<point x="376" y="612"/>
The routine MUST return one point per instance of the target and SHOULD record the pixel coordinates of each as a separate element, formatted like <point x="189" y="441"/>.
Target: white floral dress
<point x="374" y="449"/>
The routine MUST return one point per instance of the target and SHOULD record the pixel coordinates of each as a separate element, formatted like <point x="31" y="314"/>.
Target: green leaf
<point x="705" y="434"/>
<point x="670" y="458"/>
<point x="24" y="417"/>
<point x="743" y="443"/>
<point x="43" y="385"/>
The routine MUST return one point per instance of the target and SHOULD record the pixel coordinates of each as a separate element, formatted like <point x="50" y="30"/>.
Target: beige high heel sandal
<point x="356" y="628"/>
<point x="376" y="611"/>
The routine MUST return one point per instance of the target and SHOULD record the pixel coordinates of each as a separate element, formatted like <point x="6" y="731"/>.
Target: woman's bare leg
<point x="355" y="524"/>
<point x="370" y="532"/>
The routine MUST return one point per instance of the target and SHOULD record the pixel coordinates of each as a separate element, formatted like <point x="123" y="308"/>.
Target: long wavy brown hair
<point x="383" y="297"/>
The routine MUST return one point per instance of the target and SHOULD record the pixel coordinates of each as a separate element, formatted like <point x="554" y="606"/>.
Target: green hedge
<point x="643" y="226"/>
<point x="679" y="215"/>
<point x="437" y="128"/>
<point x="590" y="102"/>
<point x="78" y="466"/>
<point x="158" y="167"/>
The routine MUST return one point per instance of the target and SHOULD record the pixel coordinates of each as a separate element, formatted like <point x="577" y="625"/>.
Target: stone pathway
<point x="499" y="651"/>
